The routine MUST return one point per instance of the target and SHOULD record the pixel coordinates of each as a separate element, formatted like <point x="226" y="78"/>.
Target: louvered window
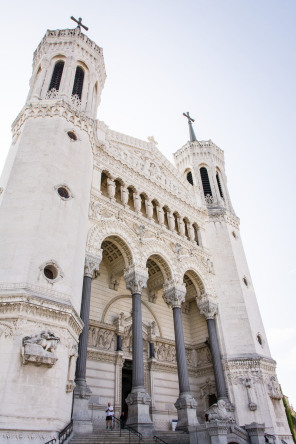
<point x="219" y="185"/>
<point x="56" y="76"/>
<point x="78" y="82"/>
<point x="189" y="177"/>
<point x="205" y="181"/>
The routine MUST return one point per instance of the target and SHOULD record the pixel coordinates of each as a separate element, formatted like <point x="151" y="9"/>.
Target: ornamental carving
<point x="92" y="264"/>
<point x="39" y="349"/>
<point x="207" y="307"/>
<point x="101" y="338"/>
<point x="165" y="352"/>
<point x="174" y="295"/>
<point x="274" y="389"/>
<point x="203" y="356"/>
<point x="218" y="412"/>
<point x="135" y="279"/>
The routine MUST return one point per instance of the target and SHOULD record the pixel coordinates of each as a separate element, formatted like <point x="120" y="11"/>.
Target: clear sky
<point x="231" y="63"/>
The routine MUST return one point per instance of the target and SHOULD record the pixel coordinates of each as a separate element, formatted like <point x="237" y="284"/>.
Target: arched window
<point x="56" y="76"/>
<point x="189" y="177"/>
<point x="219" y="185"/>
<point x="78" y="82"/>
<point x="205" y="181"/>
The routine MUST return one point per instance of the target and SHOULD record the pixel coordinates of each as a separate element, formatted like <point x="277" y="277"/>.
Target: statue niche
<point x="39" y="349"/>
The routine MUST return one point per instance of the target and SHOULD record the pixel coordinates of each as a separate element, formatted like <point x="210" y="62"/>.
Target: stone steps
<point x="113" y="437"/>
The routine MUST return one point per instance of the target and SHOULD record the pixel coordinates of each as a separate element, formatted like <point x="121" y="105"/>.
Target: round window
<point x="72" y="135"/>
<point x="63" y="192"/>
<point x="50" y="272"/>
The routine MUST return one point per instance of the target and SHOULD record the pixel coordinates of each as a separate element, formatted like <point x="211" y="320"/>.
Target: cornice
<point x="55" y="108"/>
<point x="41" y="310"/>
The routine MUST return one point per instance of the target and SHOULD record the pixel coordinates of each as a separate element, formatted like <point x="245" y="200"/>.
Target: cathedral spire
<point x="191" y="130"/>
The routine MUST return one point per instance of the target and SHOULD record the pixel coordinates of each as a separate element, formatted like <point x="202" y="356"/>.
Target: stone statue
<point x="40" y="348"/>
<point x="218" y="412"/>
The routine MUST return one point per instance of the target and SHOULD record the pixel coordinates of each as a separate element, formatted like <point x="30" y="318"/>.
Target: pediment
<point x="145" y="159"/>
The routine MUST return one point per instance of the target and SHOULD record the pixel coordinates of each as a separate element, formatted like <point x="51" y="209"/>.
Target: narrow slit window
<point x="219" y="185"/>
<point x="189" y="177"/>
<point x="78" y="82"/>
<point x="56" y="76"/>
<point x="205" y="181"/>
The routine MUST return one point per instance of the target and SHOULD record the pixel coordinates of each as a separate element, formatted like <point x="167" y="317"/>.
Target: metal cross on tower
<point x="191" y="130"/>
<point x="79" y="22"/>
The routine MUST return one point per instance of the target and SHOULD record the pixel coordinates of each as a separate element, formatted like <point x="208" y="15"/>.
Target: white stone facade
<point x="124" y="202"/>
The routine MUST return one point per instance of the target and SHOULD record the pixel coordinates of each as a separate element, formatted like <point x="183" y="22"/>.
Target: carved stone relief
<point x="39" y="349"/>
<point x="101" y="338"/>
<point x="274" y="389"/>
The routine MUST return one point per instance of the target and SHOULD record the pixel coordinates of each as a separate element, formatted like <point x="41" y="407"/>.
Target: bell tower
<point x="242" y="338"/>
<point x="44" y="200"/>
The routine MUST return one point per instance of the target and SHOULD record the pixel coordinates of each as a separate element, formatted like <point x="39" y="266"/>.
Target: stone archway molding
<point x="116" y="298"/>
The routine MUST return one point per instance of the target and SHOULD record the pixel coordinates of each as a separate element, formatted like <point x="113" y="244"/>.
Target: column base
<point x="256" y="432"/>
<point x="186" y="407"/>
<point x="81" y="418"/>
<point x="138" y="413"/>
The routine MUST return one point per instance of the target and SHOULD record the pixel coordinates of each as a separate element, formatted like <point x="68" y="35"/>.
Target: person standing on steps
<point x="109" y="415"/>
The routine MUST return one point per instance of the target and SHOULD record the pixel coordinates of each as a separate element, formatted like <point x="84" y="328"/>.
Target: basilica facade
<point x="123" y="278"/>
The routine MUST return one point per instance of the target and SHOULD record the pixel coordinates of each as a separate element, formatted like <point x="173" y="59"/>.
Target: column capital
<point x="208" y="306"/>
<point x="92" y="263"/>
<point x="174" y="294"/>
<point x="135" y="278"/>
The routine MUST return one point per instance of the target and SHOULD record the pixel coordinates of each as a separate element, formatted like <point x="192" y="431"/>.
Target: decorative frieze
<point x="101" y="338"/>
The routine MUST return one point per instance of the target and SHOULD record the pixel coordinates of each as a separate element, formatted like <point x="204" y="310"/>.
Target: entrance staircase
<point x="113" y="437"/>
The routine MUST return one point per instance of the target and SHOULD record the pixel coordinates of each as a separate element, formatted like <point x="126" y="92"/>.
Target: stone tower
<point x="43" y="227"/>
<point x="248" y="365"/>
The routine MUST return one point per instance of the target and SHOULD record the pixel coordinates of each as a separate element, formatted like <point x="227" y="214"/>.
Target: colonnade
<point x="150" y="208"/>
<point x="139" y="400"/>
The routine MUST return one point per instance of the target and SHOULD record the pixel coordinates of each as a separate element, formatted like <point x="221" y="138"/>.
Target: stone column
<point x="149" y="208"/>
<point x="171" y="220"/>
<point x="110" y="188"/>
<point x="81" y="419"/>
<point x="190" y="232"/>
<point x="181" y="226"/>
<point x="209" y="309"/>
<point x="137" y="202"/>
<point x="160" y="215"/>
<point x="124" y="195"/>
<point x="185" y="404"/>
<point x="138" y="400"/>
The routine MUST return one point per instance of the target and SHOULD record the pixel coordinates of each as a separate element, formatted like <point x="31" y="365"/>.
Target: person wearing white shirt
<point x="109" y="415"/>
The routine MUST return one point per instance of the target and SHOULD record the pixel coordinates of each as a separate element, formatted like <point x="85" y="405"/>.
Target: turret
<point x="69" y="67"/>
<point x="44" y="205"/>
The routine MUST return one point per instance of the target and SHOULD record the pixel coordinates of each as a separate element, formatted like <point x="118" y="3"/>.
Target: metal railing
<point x="269" y="438"/>
<point x="66" y="432"/>
<point x="157" y="439"/>
<point x="129" y="428"/>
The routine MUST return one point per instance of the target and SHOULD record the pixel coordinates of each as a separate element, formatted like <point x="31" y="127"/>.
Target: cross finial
<point x="191" y="130"/>
<point x="79" y="22"/>
<point x="188" y="117"/>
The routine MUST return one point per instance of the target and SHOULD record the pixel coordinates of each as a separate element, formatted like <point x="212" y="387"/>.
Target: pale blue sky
<point x="232" y="65"/>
